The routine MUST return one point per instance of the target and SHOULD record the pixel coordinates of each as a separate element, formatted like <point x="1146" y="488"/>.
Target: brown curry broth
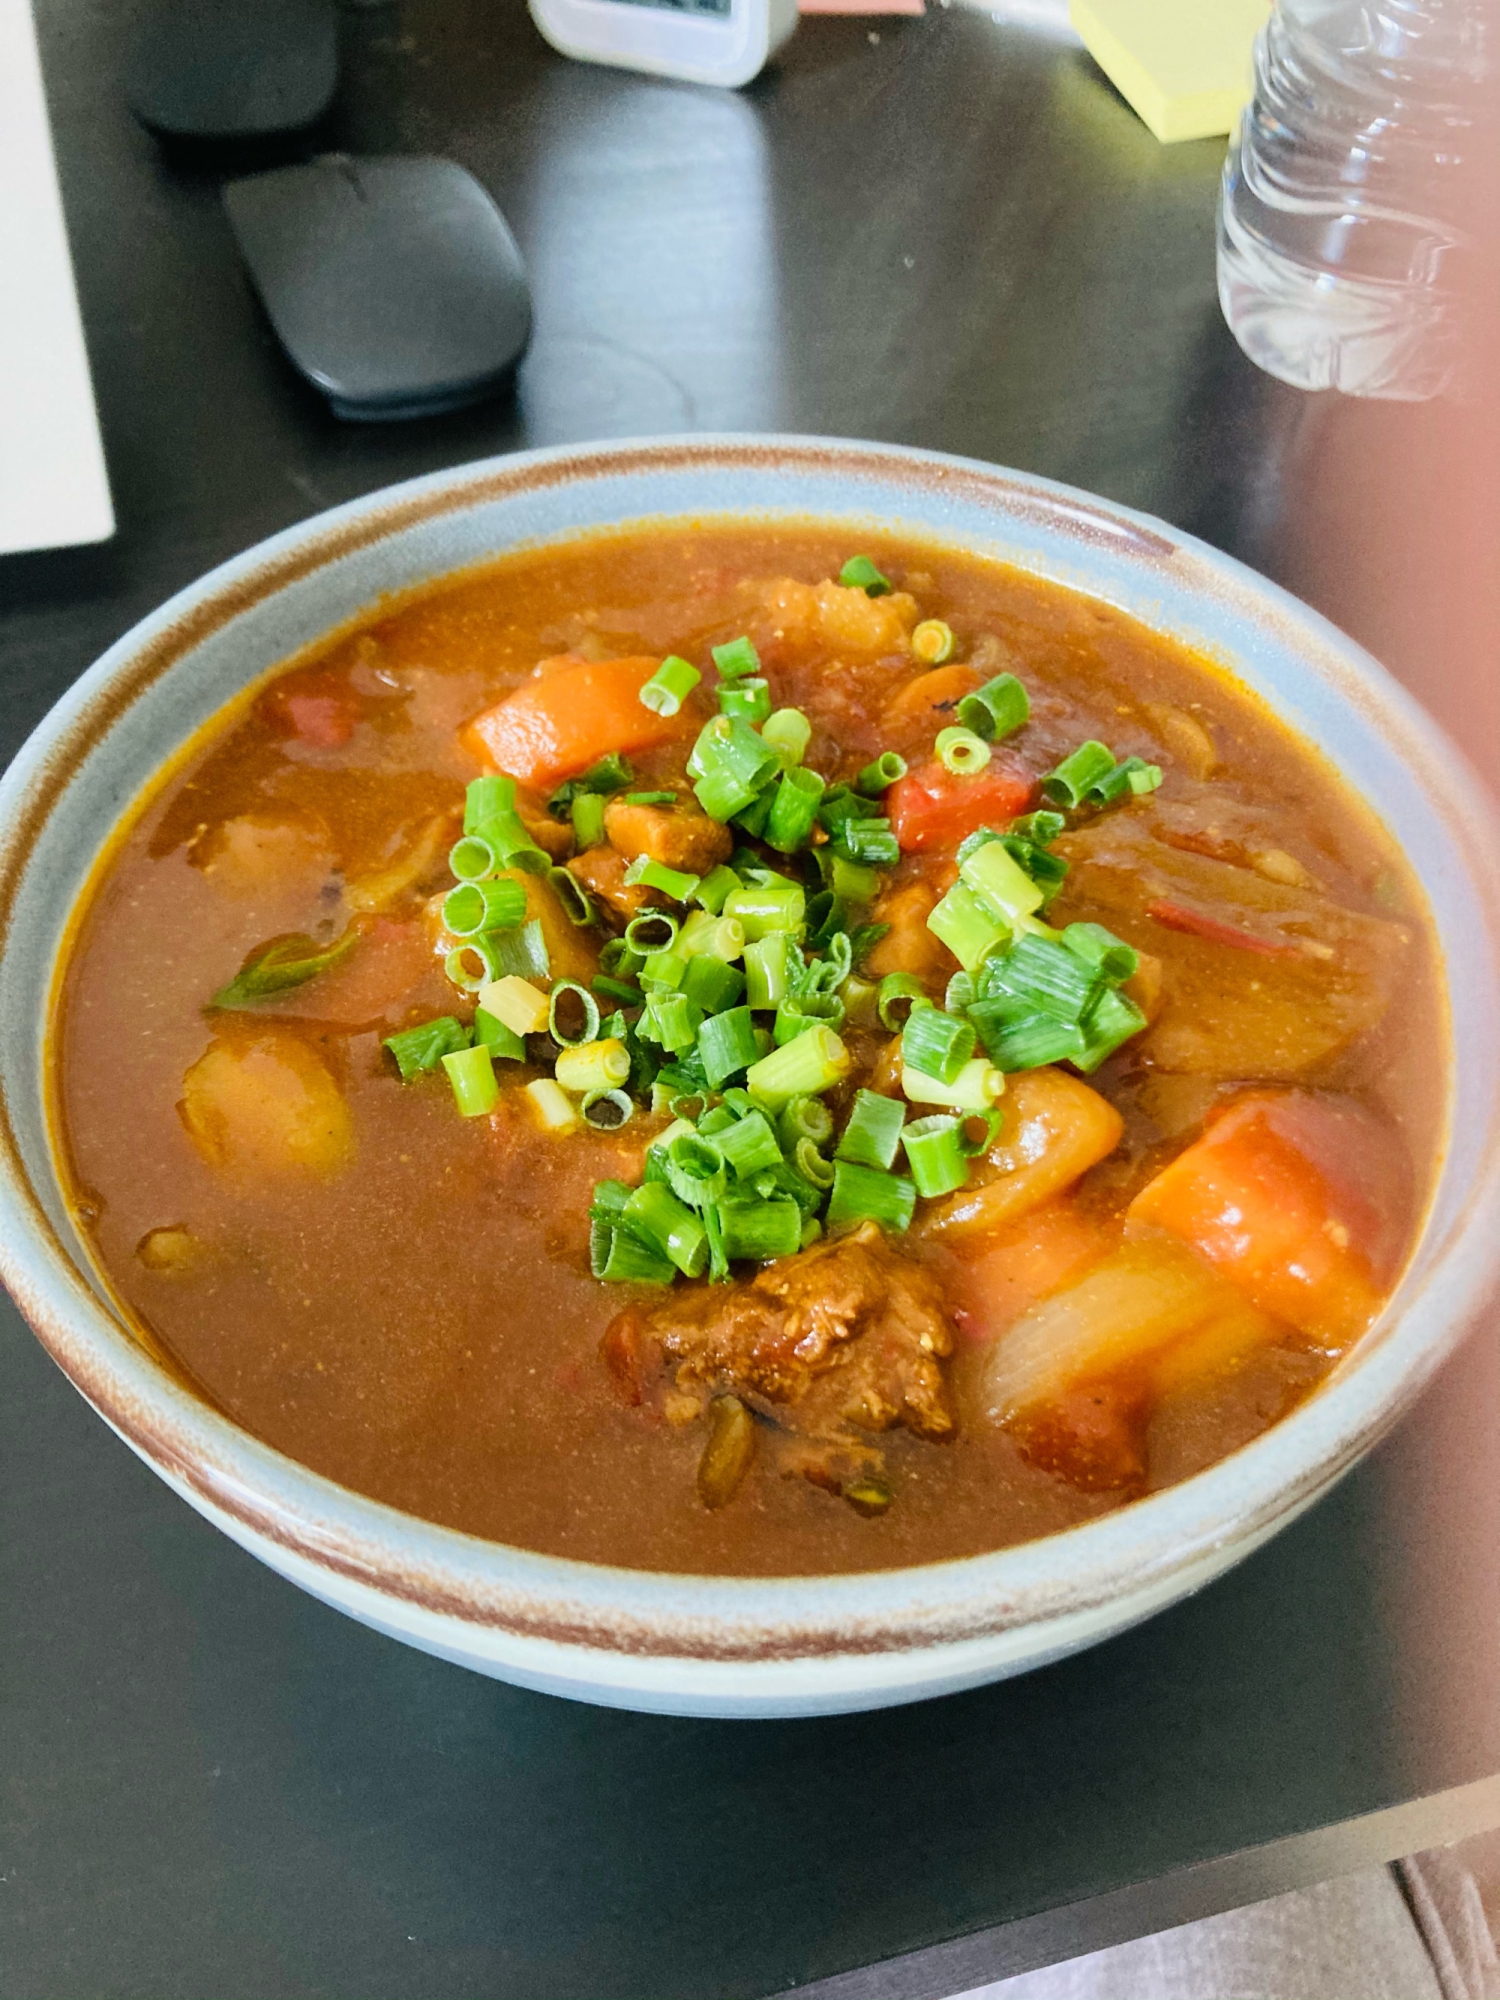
<point x="423" y="1328"/>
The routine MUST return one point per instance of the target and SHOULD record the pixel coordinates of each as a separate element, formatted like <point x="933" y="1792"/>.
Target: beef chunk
<point x="845" y="1337"/>
<point x="680" y="836"/>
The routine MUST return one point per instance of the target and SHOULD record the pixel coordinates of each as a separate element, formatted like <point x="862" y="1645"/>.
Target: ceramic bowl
<point x="713" y="1645"/>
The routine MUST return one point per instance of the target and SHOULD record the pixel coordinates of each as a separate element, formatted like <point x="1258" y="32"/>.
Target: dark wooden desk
<point x="939" y="231"/>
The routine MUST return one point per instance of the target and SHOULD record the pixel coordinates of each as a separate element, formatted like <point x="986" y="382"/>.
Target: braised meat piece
<point x="846" y="1336"/>
<point x="680" y="836"/>
<point x="601" y="870"/>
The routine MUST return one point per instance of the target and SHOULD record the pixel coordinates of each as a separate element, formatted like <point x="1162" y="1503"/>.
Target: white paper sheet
<point x="53" y="487"/>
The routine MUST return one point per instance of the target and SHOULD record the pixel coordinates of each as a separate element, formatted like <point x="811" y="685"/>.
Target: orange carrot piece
<point x="1295" y="1198"/>
<point x="573" y="714"/>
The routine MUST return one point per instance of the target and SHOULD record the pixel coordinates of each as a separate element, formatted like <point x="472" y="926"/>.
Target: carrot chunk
<point x="1297" y="1199"/>
<point x="931" y="807"/>
<point x="576" y="712"/>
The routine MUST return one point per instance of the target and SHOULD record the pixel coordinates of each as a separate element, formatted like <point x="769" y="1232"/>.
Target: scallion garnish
<point x="667" y="1226"/>
<point x="670" y="1019"/>
<point x="788" y="732"/>
<point x="873" y="1132"/>
<point x="712" y="983"/>
<point x="572" y="1015"/>
<point x="476" y="907"/>
<point x="729" y="763"/>
<point x="880" y="775"/>
<point x="997" y="709"/>
<point x="714" y="887"/>
<point x="768" y="969"/>
<point x="806" y="1066"/>
<point x="726" y="1045"/>
<point x="794" y="810"/>
<point x="607" y="1110"/>
<point x="899" y="993"/>
<point x="749" y="699"/>
<point x="281" y="964"/>
<point x="760" y="1229"/>
<point x="522" y="951"/>
<point x="650" y="932"/>
<point x="933" y="642"/>
<point x="423" y="1047"/>
<point x="804" y="1118"/>
<point x="651" y="798"/>
<point x="935" y="1154"/>
<point x="859" y="573"/>
<point x="865" y="1194"/>
<point x="961" y="751"/>
<point x="670" y="685"/>
<point x="468" y="966"/>
<point x="599" y="1065"/>
<point x="776" y="905"/>
<point x="1069" y="784"/>
<point x="978" y="1085"/>
<point x="485" y="799"/>
<point x="471" y="1072"/>
<point x="869" y="843"/>
<point x="747" y="1145"/>
<point x="799" y="1012"/>
<point x="643" y="871"/>
<point x="497" y="1038"/>
<point x="736" y="659"/>
<point x="937" y="1043"/>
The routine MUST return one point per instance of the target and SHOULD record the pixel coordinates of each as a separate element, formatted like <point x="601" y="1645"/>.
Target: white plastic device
<point x="701" y="41"/>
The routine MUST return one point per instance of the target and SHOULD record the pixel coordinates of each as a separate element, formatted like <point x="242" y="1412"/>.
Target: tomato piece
<point x="1298" y="1200"/>
<point x="932" y="807"/>
<point x="324" y="717"/>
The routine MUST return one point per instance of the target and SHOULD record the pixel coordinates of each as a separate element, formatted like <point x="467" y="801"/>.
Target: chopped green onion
<point x="936" y="1043"/>
<point x="933" y="642"/>
<point x="485" y="799"/>
<point x="859" y="998"/>
<point x="812" y="1063"/>
<point x="849" y="880"/>
<point x="794" y="809"/>
<point x="730" y="763"/>
<point x="869" y="843"/>
<point x="552" y="1105"/>
<point x="629" y="1261"/>
<point x="1114" y="1020"/>
<point x="788" y="732"/>
<point x="976" y="1087"/>
<point x="837" y="962"/>
<point x="617" y="959"/>
<point x="670" y="1228"/>
<point x="497" y="1038"/>
<point x="900" y="992"/>
<point x="587" y="811"/>
<point x="760" y="1229"/>
<point x="859" y="573"/>
<point x="585" y="1067"/>
<point x="279" y="965"/>
<point x="768" y="969"/>
<point x="715" y="886"/>
<point x="959" y="994"/>
<point x="1026" y="1040"/>
<point x="863" y="940"/>
<point x="664" y="969"/>
<point x="826" y="916"/>
<point x="511" y="845"/>
<point x="804" y="1118"/>
<point x="799" y="1012"/>
<point x="1110" y="956"/>
<point x="651" y="798"/>
<point x="726" y="1045"/>
<point x="1069" y="784"/>
<point x="748" y="1144"/>
<point x="568" y="994"/>
<point x="881" y="775"/>
<point x="423" y="1048"/>
<point x="523" y="952"/>
<point x="763" y="908"/>
<point x="616" y="989"/>
<point x="718" y="937"/>
<point x="1040" y="828"/>
<point x="961" y="751"/>
<point x="650" y="932"/>
<point x="695" y="1170"/>
<point x="570" y="892"/>
<point x="1134" y="777"/>
<point x="750" y="700"/>
<point x="470" y="965"/>
<point x="865" y="1194"/>
<point x="968" y="926"/>
<point x="672" y="682"/>
<point x="935" y="1155"/>
<point x="472" y="1075"/>
<point x="672" y="1020"/>
<point x="607" y="1110"/>
<point x="1040" y="974"/>
<point x="712" y="984"/>
<point x="657" y="875"/>
<point x="475" y="907"/>
<point x="736" y="659"/>
<point x="752" y="820"/>
<point x="516" y="1002"/>
<point x="997" y="709"/>
<point x="472" y="858"/>
<point x="873" y="1132"/>
<point x="810" y="1164"/>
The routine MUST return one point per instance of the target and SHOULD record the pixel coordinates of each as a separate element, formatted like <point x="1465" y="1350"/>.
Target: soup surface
<point x="942" y="1070"/>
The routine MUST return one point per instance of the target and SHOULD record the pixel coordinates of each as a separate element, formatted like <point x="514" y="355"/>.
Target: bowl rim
<point x="500" y="1589"/>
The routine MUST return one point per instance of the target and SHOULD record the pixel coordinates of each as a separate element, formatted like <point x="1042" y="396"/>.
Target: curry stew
<point x="714" y="1050"/>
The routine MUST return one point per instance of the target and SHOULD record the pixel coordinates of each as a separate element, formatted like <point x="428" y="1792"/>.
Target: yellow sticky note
<point x="1183" y="65"/>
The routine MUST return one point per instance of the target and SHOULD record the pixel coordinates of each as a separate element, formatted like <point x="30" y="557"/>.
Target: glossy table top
<point x="941" y="231"/>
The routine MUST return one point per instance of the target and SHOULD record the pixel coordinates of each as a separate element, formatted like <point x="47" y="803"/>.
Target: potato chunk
<point x="253" y="852"/>
<point x="265" y="1108"/>
<point x="1055" y="1128"/>
<point x="843" y="618"/>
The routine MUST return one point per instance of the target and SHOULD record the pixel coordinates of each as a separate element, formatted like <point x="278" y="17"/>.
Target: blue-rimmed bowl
<point x="729" y="1645"/>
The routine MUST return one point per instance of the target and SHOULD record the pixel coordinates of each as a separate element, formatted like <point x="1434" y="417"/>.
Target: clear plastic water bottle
<point x="1348" y="190"/>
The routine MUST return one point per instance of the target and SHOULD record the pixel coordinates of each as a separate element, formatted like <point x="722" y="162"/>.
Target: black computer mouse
<point x="233" y="69"/>
<point x="394" y="284"/>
